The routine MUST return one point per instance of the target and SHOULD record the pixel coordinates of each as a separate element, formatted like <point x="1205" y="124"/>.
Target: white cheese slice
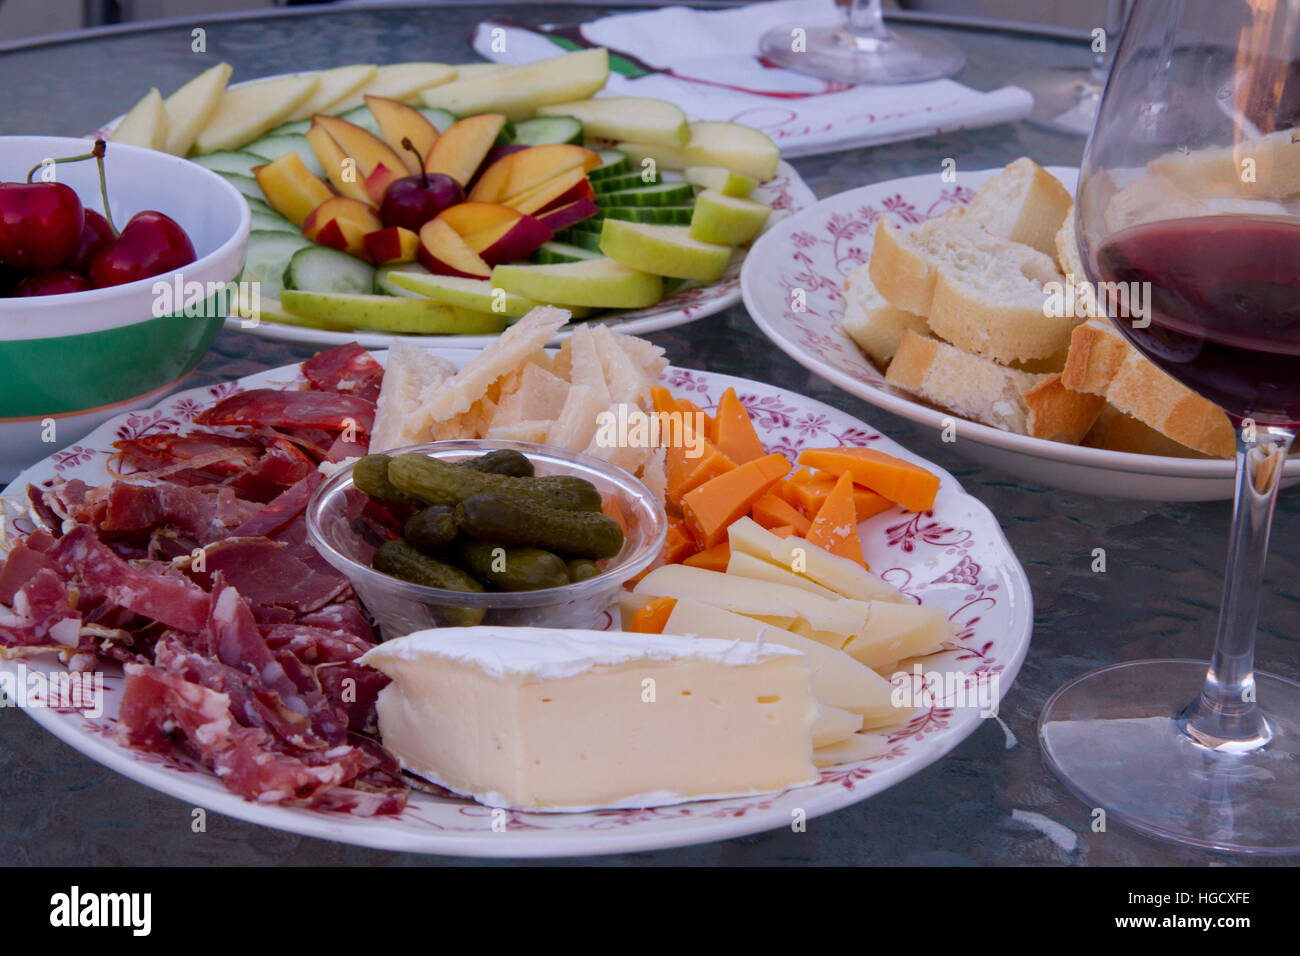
<point x="834" y="725"/>
<point x="550" y="720"/>
<point x="896" y="631"/>
<point x="838" y="680"/>
<point x="804" y="558"/>
<point x="850" y="750"/>
<point x="748" y="566"/>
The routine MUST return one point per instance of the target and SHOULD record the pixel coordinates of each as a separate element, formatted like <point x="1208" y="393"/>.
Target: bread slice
<point x="965" y="384"/>
<point x="903" y="266"/>
<point x="1059" y="414"/>
<point x="1102" y="362"/>
<point x="1024" y="203"/>
<point x="1116" y="431"/>
<point x="871" y="321"/>
<point x="1068" y="259"/>
<point x="1263" y="167"/>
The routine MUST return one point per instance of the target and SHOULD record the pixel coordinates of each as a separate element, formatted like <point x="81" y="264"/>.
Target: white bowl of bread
<point x="945" y="324"/>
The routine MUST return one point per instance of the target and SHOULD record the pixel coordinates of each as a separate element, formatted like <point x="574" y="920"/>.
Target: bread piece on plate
<point x="1068" y="258"/>
<point x="1116" y="431"/>
<point x="1024" y="203"/>
<point x="1058" y="414"/>
<point x="903" y="264"/>
<point x="1103" y="363"/>
<point x="989" y="299"/>
<point x="965" y="384"/>
<point x="1264" y="167"/>
<point x="871" y="321"/>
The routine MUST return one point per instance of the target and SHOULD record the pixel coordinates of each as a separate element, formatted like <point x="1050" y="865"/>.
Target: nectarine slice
<point x="459" y="151"/>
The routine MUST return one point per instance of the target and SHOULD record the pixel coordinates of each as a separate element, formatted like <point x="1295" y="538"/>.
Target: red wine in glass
<point x="1224" y="307"/>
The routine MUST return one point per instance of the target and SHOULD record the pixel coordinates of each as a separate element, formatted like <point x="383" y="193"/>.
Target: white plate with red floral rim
<point x="816" y="248"/>
<point x="785" y="192"/>
<point x="954" y="556"/>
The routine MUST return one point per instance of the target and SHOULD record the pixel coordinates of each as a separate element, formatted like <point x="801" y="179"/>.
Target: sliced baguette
<point x="1102" y="362"/>
<point x="1059" y="414"/>
<point x="1024" y="203"/>
<point x="871" y="321"/>
<point x="1264" y="167"/>
<point x="965" y="384"/>
<point x="1068" y="259"/>
<point x="1116" y="431"/>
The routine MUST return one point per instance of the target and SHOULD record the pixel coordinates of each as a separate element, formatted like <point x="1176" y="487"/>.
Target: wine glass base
<point x="1065" y="100"/>
<point x="831" y="53"/>
<point x="1113" y="738"/>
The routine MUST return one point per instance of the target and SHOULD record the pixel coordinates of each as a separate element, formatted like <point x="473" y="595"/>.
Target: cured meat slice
<point x="287" y="409"/>
<point x="171" y="600"/>
<point x="347" y="368"/>
<point x="267" y="572"/>
<point x="280" y="510"/>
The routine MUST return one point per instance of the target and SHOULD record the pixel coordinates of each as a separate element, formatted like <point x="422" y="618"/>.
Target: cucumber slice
<point x="663" y="215"/>
<point x="552" y="252"/>
<point x="362" y="117"/>
<point x="273" y="147"/>
<point x="240" y="162"/>
<point x="273" y="222"/>
<point x="269" y="253"/>
<point x="582" y="238"/>
<point x="297" y="128"/>
<point x="440" y="119"/>
<point x="245" y="184"/>
<point x="384" y="287"/>
<point x="618" y="184"/>
<point x="546" y="130"/>
<point x="320" y="269"/>
<point x="615" y="164"/>
<point x="260" y="206"/>
<point x="660" y="194"/>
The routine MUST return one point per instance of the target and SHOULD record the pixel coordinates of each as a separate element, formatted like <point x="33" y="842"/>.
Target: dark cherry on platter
<point x="51" y="245"/>
<point x="412" y="201"/>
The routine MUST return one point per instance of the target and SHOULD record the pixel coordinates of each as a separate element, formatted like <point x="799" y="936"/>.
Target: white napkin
<point x="707" y="63"/>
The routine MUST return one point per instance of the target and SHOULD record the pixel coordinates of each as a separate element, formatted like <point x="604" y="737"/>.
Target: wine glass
<point x="861" y="49"/>
<point x="1066" y="98"/>
<point x="1190" y="188"/>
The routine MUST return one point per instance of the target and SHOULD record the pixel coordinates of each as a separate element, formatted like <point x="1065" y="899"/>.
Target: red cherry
<point x="9" y="279"/>
<point x="40" y="224"/>
<point x="96" y="233"/>
<point x="150" y="245"/>
<point x="53" y="282"/>
<point x="413" y="200"/>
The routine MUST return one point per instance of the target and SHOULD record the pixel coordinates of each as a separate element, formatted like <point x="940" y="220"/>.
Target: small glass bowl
<point x="402" y="607"/>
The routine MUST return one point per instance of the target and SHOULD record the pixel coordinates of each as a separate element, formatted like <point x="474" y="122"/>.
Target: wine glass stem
<point x="866" y="20"/>
<point x="1225" y="716"/>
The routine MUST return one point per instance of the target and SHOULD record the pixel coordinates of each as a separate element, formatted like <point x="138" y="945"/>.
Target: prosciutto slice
<point x="284" y="409"/>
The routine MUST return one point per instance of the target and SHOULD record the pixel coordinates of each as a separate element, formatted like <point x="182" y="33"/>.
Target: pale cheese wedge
<point x="145" y="125"/>
<point x="745" y="595"/>
<point x="190" y="108"/>
<point x="748" y="566"/>
<point x="833" y="725"/>
<point x="804" y="558"/>
<point x="332" y="88"/>
<point x="246" y="112"/>
<point x="850" y="750"/>
<point x="411" y="374"/>
<point x="838" y="680"/>
<point x="897" y="631"/>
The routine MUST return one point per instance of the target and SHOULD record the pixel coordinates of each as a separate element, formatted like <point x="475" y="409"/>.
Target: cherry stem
<point x="424" y="173"/>
<point x="99" y="143"/>
<point x="98" y="152"/>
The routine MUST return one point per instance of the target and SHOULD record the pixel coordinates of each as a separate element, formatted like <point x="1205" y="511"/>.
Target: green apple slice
<point x="335" y="85"/>
<point x="721" y="180"/>
<point x="741" y="149"/>
<point x="270" y="310"/>
<point x="727" y="220"/>
<point x="190" y="108"/>
<point x="518" y="91"/>
<point x="146" y="123"/>
<point x="663" y="250"/>
<point x="636" y="118"/>
<point x="476" y="294"/>
<point x="246" y="112"/>
<point x="387" y="313"/>
<point x="601" y="283"/>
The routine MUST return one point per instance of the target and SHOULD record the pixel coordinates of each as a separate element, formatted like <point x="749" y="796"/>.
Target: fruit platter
<point x="443" y="202"/>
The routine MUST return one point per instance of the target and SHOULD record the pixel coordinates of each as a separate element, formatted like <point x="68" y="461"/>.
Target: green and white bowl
<point x="69" y="362"/>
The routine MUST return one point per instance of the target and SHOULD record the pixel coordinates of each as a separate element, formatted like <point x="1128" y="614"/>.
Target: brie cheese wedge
<point x="564" y="720"/>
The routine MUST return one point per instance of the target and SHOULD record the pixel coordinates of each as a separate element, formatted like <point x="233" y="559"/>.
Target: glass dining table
<point x="991" y="801"/>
